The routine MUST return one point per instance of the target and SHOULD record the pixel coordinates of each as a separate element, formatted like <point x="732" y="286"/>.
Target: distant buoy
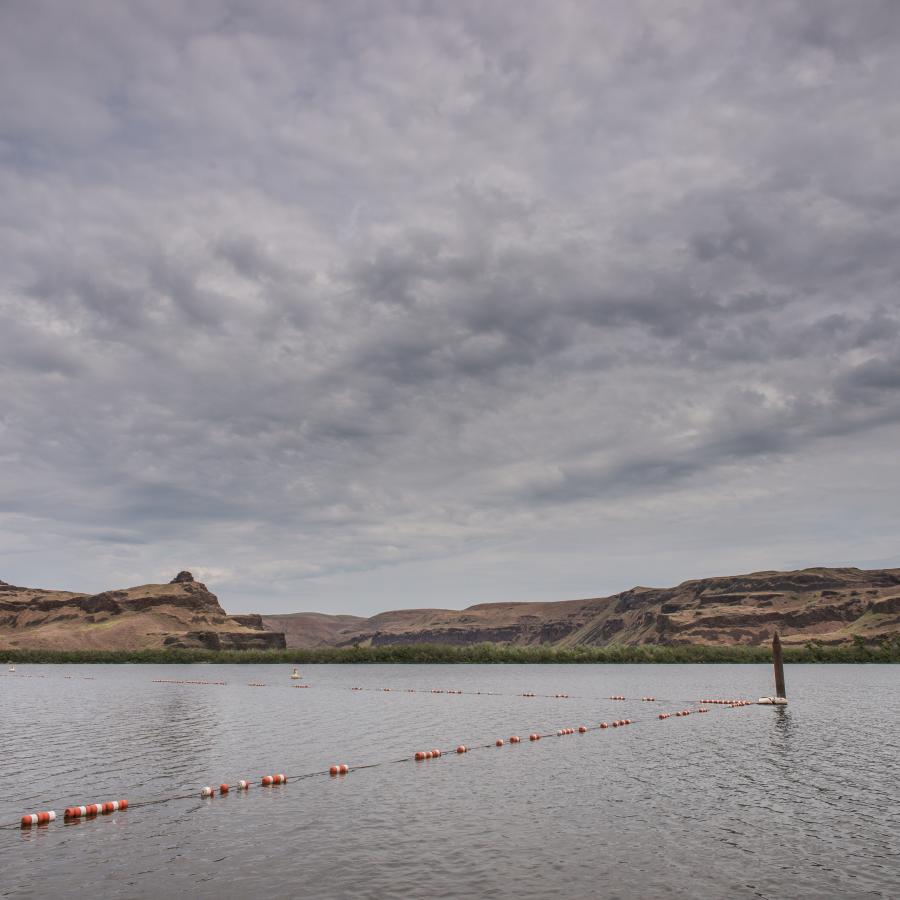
<point x="462" y="748"/>
<point x="295" y="674"/>
<point x="208" y="791"/>
<point x="243" y="785"/>
<point x="604" y="725"/>
<point x="499" y="742"/>
<point x="515" y="739"/>
<point x="224" y="788"/>
<point x="582" y="729"/>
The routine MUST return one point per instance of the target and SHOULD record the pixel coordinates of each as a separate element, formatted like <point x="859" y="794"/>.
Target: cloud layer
<point x="364" y="305"/>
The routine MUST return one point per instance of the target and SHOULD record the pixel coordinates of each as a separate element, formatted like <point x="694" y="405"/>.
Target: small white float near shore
<point x="295" y="674"/>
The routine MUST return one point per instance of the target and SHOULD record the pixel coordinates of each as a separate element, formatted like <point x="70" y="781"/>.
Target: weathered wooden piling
<point x="779" y="666"/>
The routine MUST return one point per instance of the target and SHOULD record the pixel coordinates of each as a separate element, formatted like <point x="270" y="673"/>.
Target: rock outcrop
<point x="834" y="606"/>
<point x="183" y="613"/>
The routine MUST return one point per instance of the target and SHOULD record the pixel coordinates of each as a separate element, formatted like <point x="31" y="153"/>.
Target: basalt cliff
<point x="832" y="606"/>
<point x="181" y="614"/>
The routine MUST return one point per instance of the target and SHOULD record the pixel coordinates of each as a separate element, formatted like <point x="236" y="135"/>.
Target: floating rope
<point x="92" y="810"/>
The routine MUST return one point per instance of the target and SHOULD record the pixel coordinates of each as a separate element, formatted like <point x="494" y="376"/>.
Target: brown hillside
<point x="829" y="605"/>
<point x="180" y="614"/>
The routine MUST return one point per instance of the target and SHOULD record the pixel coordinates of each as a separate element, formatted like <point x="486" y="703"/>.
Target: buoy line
<point x="92" y="810"/>
<point x="445" y="691"/>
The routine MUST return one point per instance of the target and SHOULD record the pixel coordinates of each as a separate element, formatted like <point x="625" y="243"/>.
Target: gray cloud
<point x="364" y="307"/>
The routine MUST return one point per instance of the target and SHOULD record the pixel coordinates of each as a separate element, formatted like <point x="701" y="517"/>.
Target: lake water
<point x="752" y="802"/>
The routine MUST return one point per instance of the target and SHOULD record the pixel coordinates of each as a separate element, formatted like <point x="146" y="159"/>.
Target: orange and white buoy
<point x="94" y="809"/>
<point x="39" y="818"/>
<point x="269" y="780"/>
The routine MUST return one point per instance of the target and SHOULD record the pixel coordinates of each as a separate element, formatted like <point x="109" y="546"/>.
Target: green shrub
<point x="888" y="651"/>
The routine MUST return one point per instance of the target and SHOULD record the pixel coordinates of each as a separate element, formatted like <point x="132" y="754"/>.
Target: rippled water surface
<point x="751" y="802"/>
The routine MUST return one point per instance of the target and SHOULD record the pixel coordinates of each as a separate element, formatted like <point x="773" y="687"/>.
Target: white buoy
<point x="772" y="701"/>
<point x="295" y="674"/>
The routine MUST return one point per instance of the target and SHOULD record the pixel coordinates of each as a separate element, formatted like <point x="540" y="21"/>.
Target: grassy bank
<point x="888" y="652"/>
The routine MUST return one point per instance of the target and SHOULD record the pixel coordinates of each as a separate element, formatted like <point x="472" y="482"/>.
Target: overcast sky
<point x="355" y="306"/>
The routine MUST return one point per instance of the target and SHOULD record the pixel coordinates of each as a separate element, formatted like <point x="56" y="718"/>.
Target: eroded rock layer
<point x="183" y="613"/>
<point x="829" y="605"/>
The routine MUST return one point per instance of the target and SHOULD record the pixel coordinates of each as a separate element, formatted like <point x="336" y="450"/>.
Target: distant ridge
<point x="832" y="606"/>
<point x="181" y="614"/>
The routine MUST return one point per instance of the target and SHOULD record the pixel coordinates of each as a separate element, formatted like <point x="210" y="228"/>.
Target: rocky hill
<point x="833" y="606"/>
<point x="183" y="613"/>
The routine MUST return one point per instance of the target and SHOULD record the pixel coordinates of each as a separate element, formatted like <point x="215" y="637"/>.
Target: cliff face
<point x="829" y="605"/>
<point x="834" y="606"/>
<point x="183" y="613"/>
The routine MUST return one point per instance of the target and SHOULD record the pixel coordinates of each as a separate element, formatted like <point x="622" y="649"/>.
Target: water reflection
<point x="627" y="811"/>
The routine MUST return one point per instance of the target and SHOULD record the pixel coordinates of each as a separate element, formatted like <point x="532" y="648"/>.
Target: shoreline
<point x="475" y="653"/>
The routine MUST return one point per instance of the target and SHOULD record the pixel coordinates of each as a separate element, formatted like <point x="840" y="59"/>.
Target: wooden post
<point x="779" y="666"/>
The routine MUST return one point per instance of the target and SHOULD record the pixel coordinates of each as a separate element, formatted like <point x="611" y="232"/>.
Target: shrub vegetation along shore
<point x="885" y="652"/>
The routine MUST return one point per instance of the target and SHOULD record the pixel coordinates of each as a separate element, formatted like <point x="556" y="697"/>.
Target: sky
<point x="358" y="306"/>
